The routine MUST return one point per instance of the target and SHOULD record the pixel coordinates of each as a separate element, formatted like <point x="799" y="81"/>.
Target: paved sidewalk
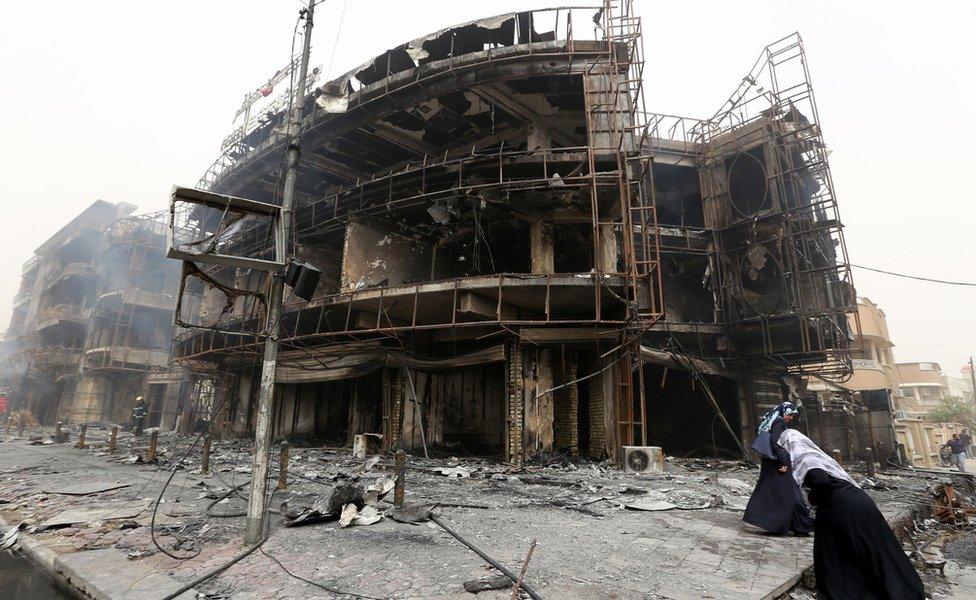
<point x="594" y="550"/>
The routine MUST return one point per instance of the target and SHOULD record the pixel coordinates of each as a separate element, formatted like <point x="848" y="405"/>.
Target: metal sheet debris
<point x="691" y="500"/>
<point x="378" y="489"/>
<point x="458" y="472"/>
<point x="411" y="513"/>
<point x="353" y="516"/>
<point x="327" y="506"/>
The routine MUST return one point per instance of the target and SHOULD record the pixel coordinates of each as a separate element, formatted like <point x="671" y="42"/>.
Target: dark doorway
<point x="156" y="395"/>
<point x="682" y="420"/>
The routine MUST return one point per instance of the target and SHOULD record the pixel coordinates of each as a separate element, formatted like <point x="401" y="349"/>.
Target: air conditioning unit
<point x="643" y="459"/>
<point x="901" y="414"/>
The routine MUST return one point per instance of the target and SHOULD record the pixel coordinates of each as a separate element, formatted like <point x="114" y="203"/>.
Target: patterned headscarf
<point x="785" y="408"/>
<point x="805" y="455"/>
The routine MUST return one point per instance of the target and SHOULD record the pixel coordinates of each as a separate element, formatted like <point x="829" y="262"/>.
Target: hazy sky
<point x="120" y="100"/>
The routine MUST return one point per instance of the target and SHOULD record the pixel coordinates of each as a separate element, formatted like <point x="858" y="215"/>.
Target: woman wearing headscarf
<point x="855" y="553"/>
<point x="777" y="504"/>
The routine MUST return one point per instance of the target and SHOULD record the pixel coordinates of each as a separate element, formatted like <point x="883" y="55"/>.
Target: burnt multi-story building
<point x="92" y="324"/>
<point x="130" y="329"/>
<point x="516" y="256"/>
<point x="52" y="311"/>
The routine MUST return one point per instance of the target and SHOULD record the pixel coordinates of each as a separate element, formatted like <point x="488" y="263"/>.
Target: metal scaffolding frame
<point x="768" y="131"/>
<point x="613" y="174"/>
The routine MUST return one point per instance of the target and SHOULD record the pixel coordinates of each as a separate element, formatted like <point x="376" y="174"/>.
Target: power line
<point x="966" y="283"/>
<point x="335" y="44"/>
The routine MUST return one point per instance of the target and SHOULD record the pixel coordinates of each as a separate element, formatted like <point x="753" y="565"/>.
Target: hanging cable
<point x="916" y="277"/>
<point x="335" y="44"/>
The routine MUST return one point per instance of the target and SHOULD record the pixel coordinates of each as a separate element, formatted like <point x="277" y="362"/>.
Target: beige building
<point x="852" y="414"/>
<point x="959" y="387"/>
<point x="922" y="388"/>
<point x="874" y="362"/>
<point x="909" y="390"/>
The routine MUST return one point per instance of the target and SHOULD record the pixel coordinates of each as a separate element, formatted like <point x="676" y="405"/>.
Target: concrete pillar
<point x="171" y="402"/>
<point x="543" y="254"/>
<point x="220" y="420"/>
<point x="537" y="370"/>
<point x="88" y="403"/>
<point x="243" y="401"/>
<point x="610" y="111"/>
<point x="607" y="250"/>
<point x="538" y="137"/>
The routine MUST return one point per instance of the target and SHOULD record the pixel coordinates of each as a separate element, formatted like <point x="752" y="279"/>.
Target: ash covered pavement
<point x="601" y="533"/>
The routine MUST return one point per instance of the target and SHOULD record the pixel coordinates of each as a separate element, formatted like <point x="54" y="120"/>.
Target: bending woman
<point x="855" y="553"/>
<point x="777" y="504"/>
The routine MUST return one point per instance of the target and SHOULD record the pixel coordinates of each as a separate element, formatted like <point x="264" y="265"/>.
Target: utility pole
<point x="262" y="428"/>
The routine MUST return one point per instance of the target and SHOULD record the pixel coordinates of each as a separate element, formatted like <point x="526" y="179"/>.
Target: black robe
<point x="777" y="504"/>
<point x="855" y="553"/>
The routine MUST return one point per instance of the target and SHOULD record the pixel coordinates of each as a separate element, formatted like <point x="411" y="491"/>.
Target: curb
<point x="89" y="574"/>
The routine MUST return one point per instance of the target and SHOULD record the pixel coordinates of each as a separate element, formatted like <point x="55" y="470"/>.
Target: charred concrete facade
<point x="92" y="324"/>
<point x="517" y="257"/>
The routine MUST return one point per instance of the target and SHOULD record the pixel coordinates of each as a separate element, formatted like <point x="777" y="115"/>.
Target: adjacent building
<point x="923" y="388"/>
<point x="92" y="323"/>
<point x="960" y="388"/>
<point x="857" y="412"/>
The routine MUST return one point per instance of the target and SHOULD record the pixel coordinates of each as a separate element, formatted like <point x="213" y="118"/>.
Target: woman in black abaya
<point x="777" y="504"/>
<point x="855" y="554"/>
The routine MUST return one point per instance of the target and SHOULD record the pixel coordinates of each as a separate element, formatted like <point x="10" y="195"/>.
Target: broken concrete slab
<point x="109" y="575"/>
<point x="75" y="516"/>
<point x="691" y="500"/>
<point x="735" y="485"/>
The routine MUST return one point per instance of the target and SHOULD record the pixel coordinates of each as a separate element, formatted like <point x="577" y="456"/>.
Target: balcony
<point x="62" y="314"/>
<point x="76" y="270"/>
<point x="124" y="357"/>
<point x="49" y="357"/>
<point x="137" y="297"/>
<point x="587" y="300"/>
<point x="21" y="298"/>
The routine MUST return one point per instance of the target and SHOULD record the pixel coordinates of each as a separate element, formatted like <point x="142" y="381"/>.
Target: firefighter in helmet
<point x="138" y="415"/>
